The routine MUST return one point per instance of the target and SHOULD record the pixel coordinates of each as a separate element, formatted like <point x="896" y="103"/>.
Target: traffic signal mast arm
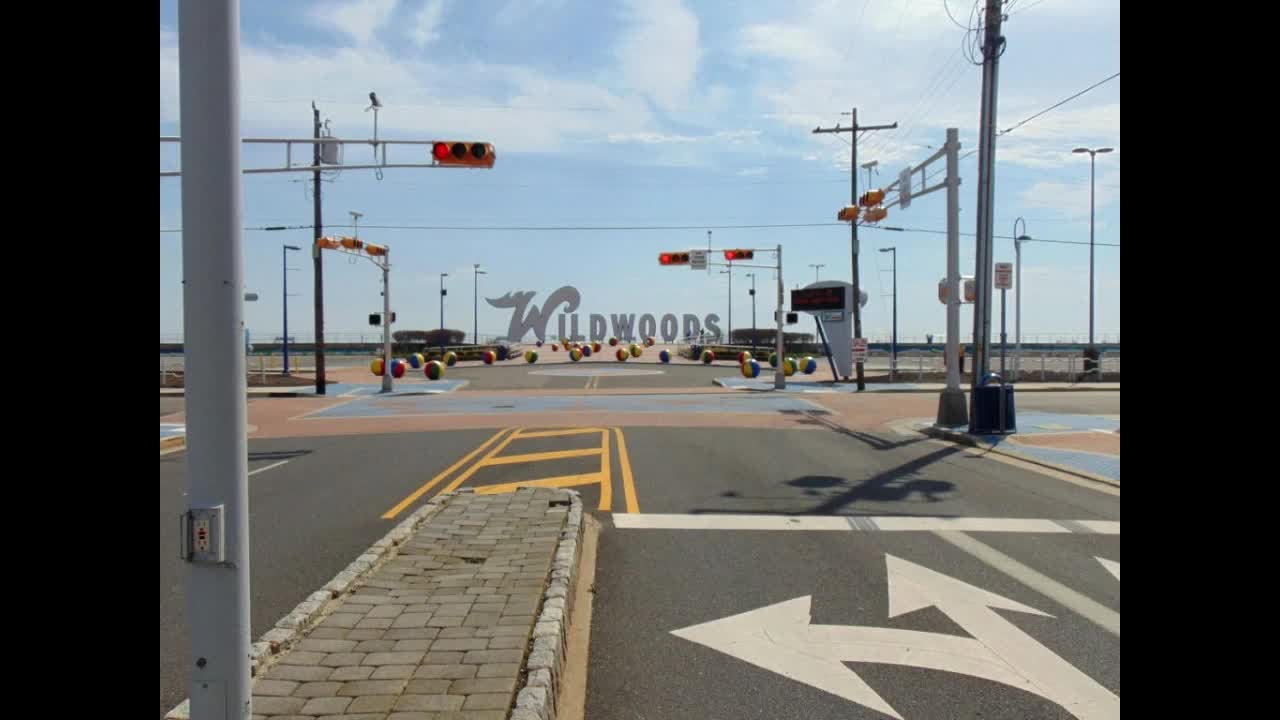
<point x="896" y="184"/>
<point x="379" y="149"/>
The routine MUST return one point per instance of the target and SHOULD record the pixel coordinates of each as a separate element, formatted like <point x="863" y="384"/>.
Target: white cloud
<point x="1072" y="199"/>
<point x="427" y="22"/>
<point x="659" y="53"/>
<point x="649" y="138"/>
<point x="168" y="75"/>
<point x="356" y="18"/>
<point x="754" y="172"/>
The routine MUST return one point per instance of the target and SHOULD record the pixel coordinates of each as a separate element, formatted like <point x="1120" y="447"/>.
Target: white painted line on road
<point x="659" y="521"/>
<point x="1112" y="566"/>
<point x="1094" y="611"/>
<point x="264" y="469"/>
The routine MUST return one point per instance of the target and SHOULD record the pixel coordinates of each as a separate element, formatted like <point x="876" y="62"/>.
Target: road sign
<point x="698" y="259"/>
<point x="904" y="189"/>
<point x="782" y="638"/>
<point x="859" y="349"/>
<point x="1004" y="276"/>
<point x="819" y="298"/>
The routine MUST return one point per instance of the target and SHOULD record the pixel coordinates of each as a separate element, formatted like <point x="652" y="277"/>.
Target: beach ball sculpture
<point x="575" y="354"/>
<point x="665" y="356"/>
<point x="635" y="350"/>
<point x="434" y="370"/>
<point x="531" y="356"/>
<point x="397" y="368"/>
<point x="649" y="341"/>
<point x="773" y="359"/>
<point x="744" y="356"/>
<point x="622" y="354"/>
<point x="750" y="369"/>
<point x="613" y="341"/>
<point x="708" y="357"/>
<point x="555" y="347"/>
<point x="595" y="346"/>
<point x="451" y="358"/>
<point x="417" y="360"/>
<point x="489" y="357"/>
<point x="789" y="367"/>
<point x="539" y="343"/>
<point x="586" y="350"/>
<point x="376" y="367"/>
<point x="809" y="365"/>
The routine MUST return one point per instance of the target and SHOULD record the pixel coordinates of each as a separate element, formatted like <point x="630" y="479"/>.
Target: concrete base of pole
<point x="953" y="408"/>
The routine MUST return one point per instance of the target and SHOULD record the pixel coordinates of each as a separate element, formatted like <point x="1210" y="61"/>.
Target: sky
<point x="661" y="113"/>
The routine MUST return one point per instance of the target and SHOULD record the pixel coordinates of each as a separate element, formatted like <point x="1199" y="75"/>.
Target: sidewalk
<point x="467" y="611"/>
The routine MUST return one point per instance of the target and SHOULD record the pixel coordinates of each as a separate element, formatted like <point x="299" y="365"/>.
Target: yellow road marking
<point x="538" y="456"/>
<point x="560" y="481"/>
<point x="628" y="482"/>
<point x="466" y="474"/>
<point x="390" y="514"/>
<point x="606" y="473"/>
<point x="559" y="433"/>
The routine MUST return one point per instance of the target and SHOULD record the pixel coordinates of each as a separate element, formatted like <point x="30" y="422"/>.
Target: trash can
<point x="503" y="352"/>
<point x="988" y="414"/>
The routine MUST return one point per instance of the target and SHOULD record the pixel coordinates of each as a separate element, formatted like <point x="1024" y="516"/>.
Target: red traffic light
<point x="732" y="255"/>
<point x="463" y="154"/>
<point x="673" y="258"/>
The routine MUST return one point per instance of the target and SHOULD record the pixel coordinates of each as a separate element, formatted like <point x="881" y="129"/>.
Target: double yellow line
<point x="497" y="443"/>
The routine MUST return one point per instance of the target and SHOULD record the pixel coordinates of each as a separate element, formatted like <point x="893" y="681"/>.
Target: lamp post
<point x="1017" y="295"/>
<point x="752" y="292"/>
<point x="729" y="272"/>
<point x="1093" y="153"/>
<point x="893" y="345"/>
<point x="815" y="270"/>
<point x="284" y="297"/>
<point x="475" y="300"/>
<point x="443" y="292"/>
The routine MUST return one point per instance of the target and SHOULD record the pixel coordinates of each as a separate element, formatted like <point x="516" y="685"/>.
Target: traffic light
<point x="375" y="318"/>
<point x="375" y="250"/>
<point x="351" y="243"/>
<point x="871" y="198"/>
<point x="673" y="258"/>
<point x="327" y="243"/>
<point x="463" y="154"/>
<point x="848" y="213"/>
<point x="875" y="214"/>
<point x="732" y="255"/>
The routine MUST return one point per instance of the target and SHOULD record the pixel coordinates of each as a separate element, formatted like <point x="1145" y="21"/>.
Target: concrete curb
<point x="538" y="699"/>
<point x="966" y="439"/>
<point x="276" y="642"/>
<point x="826" y="391"/>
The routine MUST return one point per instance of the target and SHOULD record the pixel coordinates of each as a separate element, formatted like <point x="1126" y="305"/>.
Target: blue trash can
<point x="987" y="410"/>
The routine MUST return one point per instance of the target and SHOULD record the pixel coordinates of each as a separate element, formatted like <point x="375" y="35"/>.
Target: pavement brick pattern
<point x="439" y="631"/>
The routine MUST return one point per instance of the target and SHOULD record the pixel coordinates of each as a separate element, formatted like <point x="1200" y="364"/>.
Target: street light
<point x="1017" y="295"/>
<point x="752" y="292"/>
<point x="284" y="296"/>
<point x="443" y="292"/>
<point x="1092" y="158"/>
<point x="893" y="346"/>
<point x="815" y="269"/>
<point x="475" y="300"/>
<point x="729" y="272"/>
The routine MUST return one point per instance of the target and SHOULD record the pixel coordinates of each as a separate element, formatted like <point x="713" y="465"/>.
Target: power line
<point x="1073" y="97"/>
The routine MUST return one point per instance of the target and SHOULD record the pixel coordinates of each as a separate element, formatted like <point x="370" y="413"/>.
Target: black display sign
<point x="825" y="298"/>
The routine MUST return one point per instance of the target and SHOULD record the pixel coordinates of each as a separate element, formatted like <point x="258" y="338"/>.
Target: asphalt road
<point x="651" y="582"/>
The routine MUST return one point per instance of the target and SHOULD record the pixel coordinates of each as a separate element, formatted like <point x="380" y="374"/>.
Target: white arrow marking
<point x="1111" y="566"/>
<point x="781" y="639"/>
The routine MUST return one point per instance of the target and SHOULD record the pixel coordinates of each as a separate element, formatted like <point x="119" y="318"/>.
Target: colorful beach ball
<point x="451" y="358"/>
<point x="773" y="359"/>
<point x="708" y="357"/>
<point x="789" y="366"/>
<point x="622" y="354"/>
<point x="635" y="350"/>
<point x="530" y="356"/>
<point x="416" y="360"/>
<point x="750" y="369"/>
<point x="744" y="356"/>
<point x="376" y="367"/>
<point x="808" y="365"/>
<point x="613" y="341"/>
<point x="649" y="341"/>
<point x="489" y="357"/>
<point x="595" y="346"/>
<point x="434" y="370"/>
<point x="586" y="350"/>
<point x="397" y="368"/>
<point x="575" y="354"/>
<point x="539" y="343"/>
<point x="555" y="347"/>
<point x="665" y="356"/>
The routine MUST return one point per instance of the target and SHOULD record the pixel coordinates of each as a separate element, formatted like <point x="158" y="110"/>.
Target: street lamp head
<point x="869" y="165"/>
<point x="1080" y="150"/>
<point x="1023" y="238"/>
<point x="292" y="247"/>
<point x="888" y="249"/>
<point x="1104" y="150"/>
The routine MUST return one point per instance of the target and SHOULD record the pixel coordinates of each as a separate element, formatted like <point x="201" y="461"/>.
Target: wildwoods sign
<point x="526" y="317"/>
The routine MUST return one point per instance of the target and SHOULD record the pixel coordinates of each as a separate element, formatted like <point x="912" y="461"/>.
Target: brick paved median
<point x="440" y="630"/>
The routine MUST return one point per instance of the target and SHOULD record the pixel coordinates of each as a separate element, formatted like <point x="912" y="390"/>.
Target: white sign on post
<point x="859" y="350"/>
<point x="904" y="189"/>
<point x="1004" y="276"/>
<point x="698" y="259"/>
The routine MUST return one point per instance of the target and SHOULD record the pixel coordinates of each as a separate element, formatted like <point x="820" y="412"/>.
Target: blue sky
<point x="661" y="112"/>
